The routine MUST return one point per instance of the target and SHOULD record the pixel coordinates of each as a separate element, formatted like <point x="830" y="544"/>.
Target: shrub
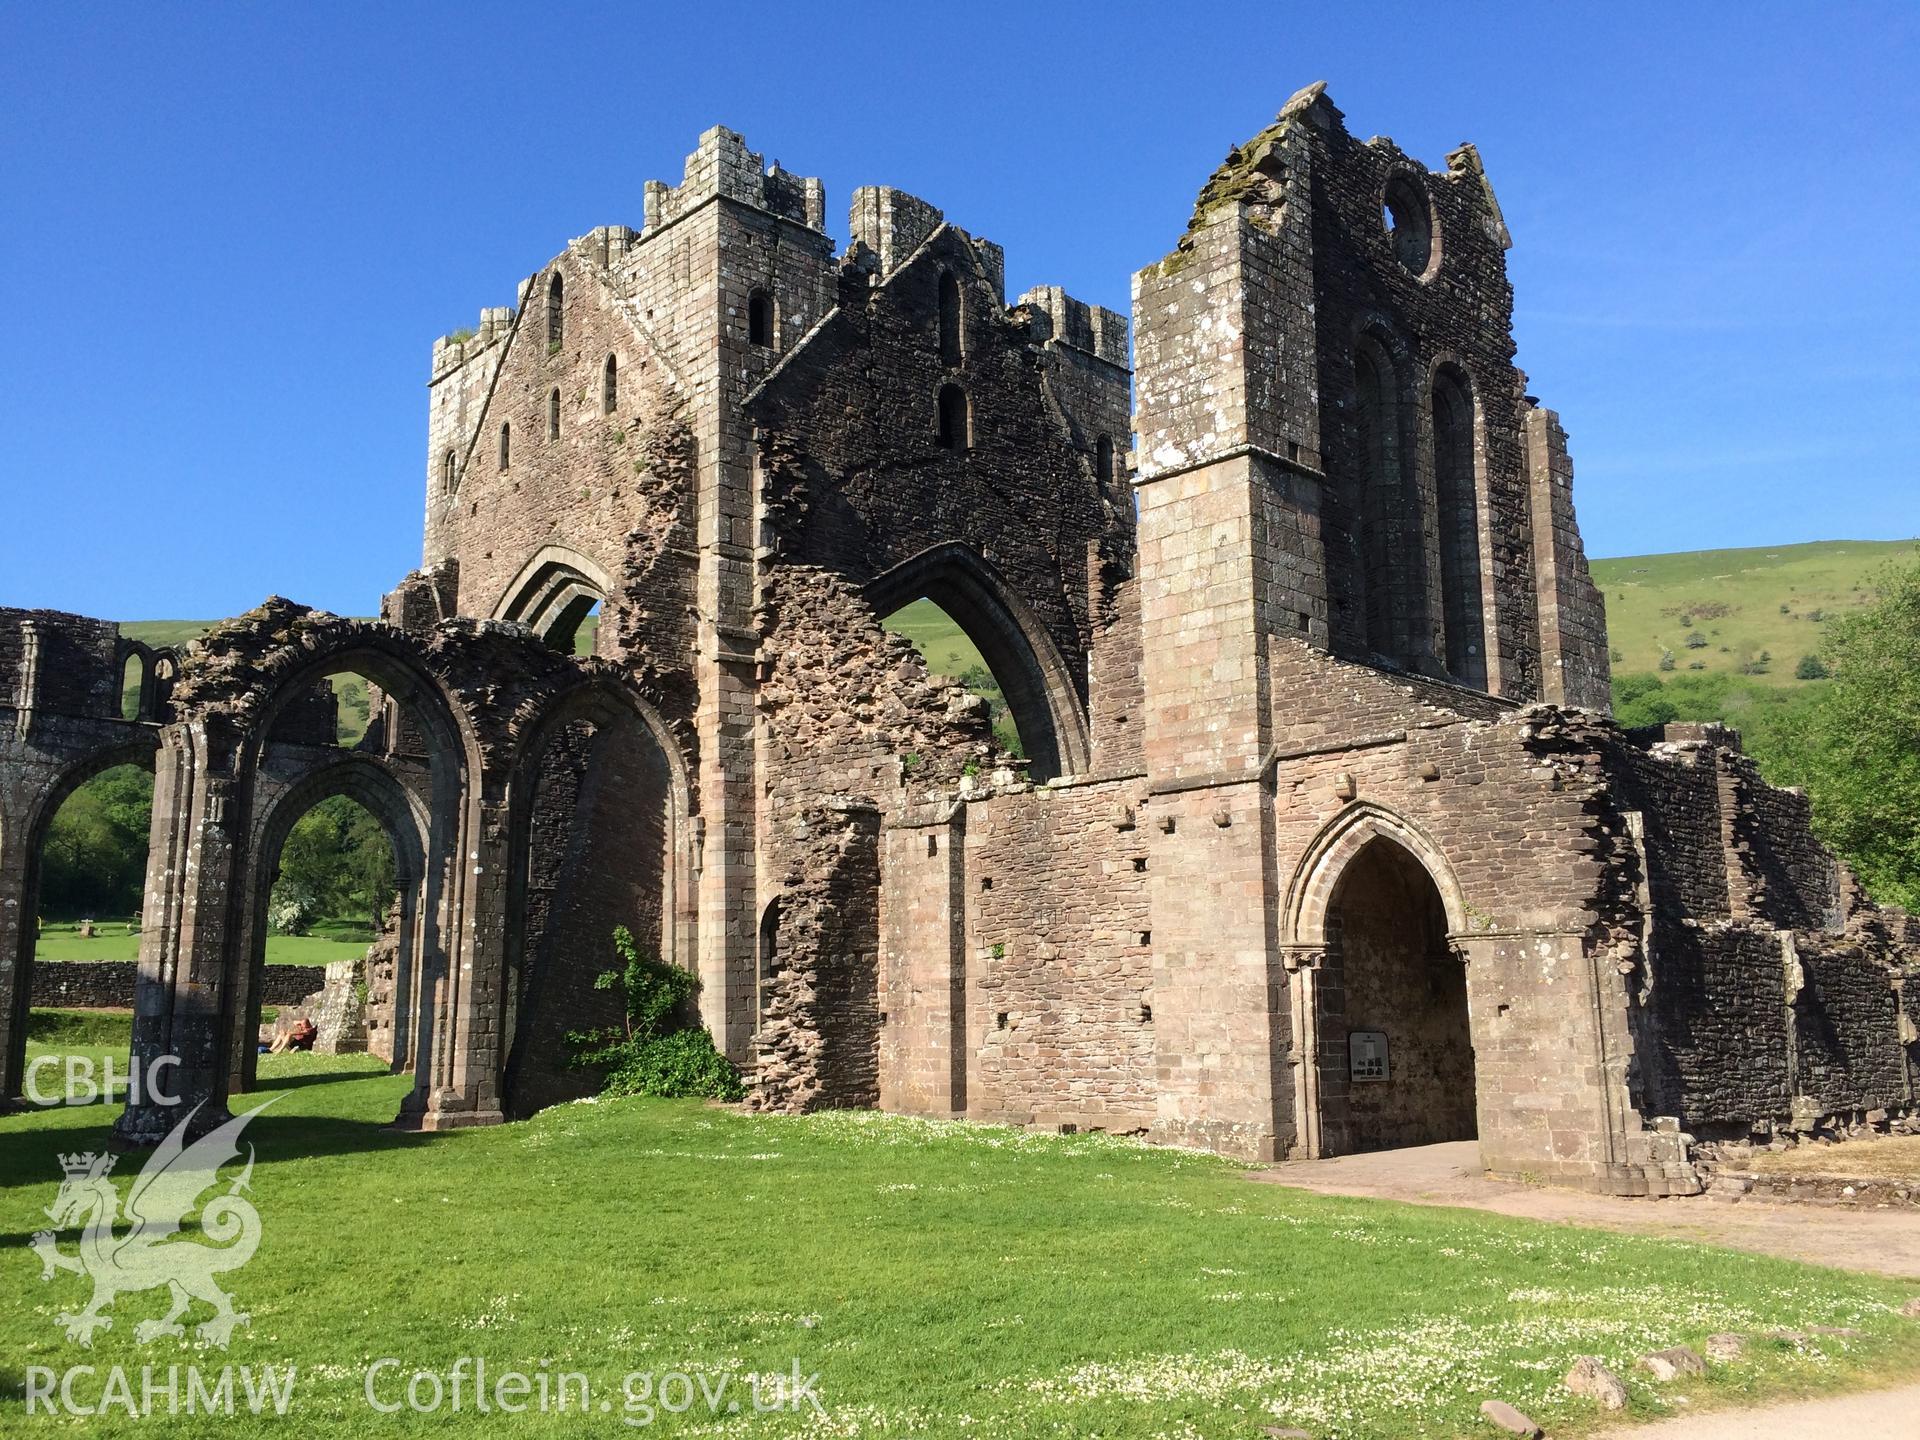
<point x="1667" y="661"/>
<point x="293" y="912"/>
<point x="1696" y="641"/>
<point x="1810" y="668"/>
<point x="661" y="1050"/>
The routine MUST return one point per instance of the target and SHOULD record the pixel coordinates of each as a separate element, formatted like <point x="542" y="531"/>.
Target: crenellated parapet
<point x="722" y="167"/>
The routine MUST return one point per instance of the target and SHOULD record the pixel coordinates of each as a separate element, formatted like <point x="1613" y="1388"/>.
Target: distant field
<point x="1771" y="600"/>
<point x="947" y="651"/>
<point x="163" y="632"/>
<point x="114" y="941"/>
<point x="944" y="644"/>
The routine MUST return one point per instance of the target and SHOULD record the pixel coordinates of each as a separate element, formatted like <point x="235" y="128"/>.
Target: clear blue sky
<point x="232" y="233"/>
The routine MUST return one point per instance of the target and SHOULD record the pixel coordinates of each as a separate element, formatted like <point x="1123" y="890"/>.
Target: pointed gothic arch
<point x="1378" y="989"/>
<point x="27" y="840"/>
<point x="602" y="763"/>
<point x="1033" y="674"/>
<point x="396" y="800"/>
<point x="553" y="592"/>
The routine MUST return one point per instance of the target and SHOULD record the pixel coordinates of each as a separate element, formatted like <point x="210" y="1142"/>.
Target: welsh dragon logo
<point x="148" y="1255"/>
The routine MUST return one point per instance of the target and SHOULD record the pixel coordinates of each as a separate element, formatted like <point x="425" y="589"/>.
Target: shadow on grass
<point x="317" y="1077"/>
<point x="30" y="1157"/>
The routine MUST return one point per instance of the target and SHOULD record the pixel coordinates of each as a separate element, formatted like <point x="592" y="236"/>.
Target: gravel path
<point x="1870" y="1416"/>
<point x="1887" y="1241"/>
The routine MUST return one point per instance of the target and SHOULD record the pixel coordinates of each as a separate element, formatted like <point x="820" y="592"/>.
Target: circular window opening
<point x="1410" y="223"/>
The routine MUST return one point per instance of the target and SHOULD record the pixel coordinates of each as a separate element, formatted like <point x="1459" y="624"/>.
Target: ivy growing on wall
<point x="661" y="1049"/>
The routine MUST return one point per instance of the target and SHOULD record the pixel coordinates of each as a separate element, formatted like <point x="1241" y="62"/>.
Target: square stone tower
<point x="1335" y="458"/>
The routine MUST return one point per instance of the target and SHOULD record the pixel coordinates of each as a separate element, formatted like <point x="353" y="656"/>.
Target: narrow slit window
<point x="506" y="446"/>
<point x="760" y="318"/>
<point x="553" y="413"/>
<point x="610" y="386"/>
<point x="955" y="422"/>
<point x="556" y="315"/>
<point x="449" y="473"/>
<point x="952" y="343"/>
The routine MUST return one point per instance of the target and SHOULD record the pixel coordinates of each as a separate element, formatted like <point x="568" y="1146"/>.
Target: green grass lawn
<point x="942" y="1279"/>
<point x="112" y="940"/>
<point x="1733" y="599"/>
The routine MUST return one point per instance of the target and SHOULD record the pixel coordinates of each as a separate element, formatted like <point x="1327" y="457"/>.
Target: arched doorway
<point x="1378" y="990"/>
<point x="84" y="853"/>
<point x="333" y="808"/>
<point x="1396" y="1052"/>
<point x="600" y="796"/>
<point x="1024" y="671"/>
<point x="408" y="769"/>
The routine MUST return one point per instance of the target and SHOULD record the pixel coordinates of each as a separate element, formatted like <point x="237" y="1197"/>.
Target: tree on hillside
<point x="94" y="860"/>
<point x="1857" y="750"/>
<point x="339" y="859"/>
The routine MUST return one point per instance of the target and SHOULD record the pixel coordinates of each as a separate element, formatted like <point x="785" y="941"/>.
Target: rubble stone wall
<point x="109" y="984"/>
<point x="1847" y="1052"/>
<point x="1719" y="1048"/>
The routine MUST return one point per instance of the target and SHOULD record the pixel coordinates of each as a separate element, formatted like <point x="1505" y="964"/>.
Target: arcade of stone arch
<point x="1321" y="838"/>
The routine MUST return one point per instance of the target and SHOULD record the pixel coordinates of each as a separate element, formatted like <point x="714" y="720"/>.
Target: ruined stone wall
<point x="590" y="488"/>
<point x="818" y="1045"/>
<point x="1674" y="787"/>
<point x="845" y="710"/>
<point x="597" y="857"/>
<point x="1511" y="816"/>
<point x="59" y="663"/>
<point x="857" y="482"/>
<point x="1116" y="670"/>
<point x="1847" y="1053"/>
<point x="1058" y="948"/>
<point x="852" y="481"/>
<point x="109" y="984"/>
<point x="1757" y="1007"/>
<point x="1366" y="540"/>
<point x="1455" y="309"/>
<point x="1575" y="663"/>
<point x="1719" y="1050"/>
<point x="1787" y="877"/>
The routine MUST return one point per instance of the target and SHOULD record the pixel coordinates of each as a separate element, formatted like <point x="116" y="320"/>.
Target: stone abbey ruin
<point x="1322" y="839"/>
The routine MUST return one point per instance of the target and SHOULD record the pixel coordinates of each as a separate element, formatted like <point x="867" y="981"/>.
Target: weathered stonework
<point x="1321" y="839"/>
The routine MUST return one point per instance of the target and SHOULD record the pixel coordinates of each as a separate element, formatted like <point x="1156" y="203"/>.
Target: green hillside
<point x="948" y="651"/>
<point x="1719" y="612"/>
<point x="163" y="632"/>
<point x="945" y="646"/>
